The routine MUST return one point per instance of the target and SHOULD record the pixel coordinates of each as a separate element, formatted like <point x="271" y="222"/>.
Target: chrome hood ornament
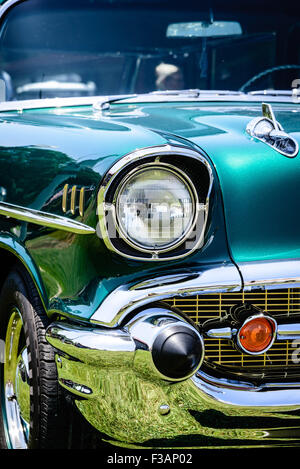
<point x="268" y="130"/>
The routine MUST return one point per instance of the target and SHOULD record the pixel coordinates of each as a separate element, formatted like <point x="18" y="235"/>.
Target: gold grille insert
<point x="221" y="352"/>
<point x="283" y="302"/>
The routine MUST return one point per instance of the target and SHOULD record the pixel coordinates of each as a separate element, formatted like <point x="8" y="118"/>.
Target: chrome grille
<point x="283" y="302"/>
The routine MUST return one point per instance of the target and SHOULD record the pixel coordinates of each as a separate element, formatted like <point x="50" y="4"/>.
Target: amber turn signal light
<point x="257" y="334"/>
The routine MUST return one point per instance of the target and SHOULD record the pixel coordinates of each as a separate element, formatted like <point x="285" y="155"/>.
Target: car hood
<point x="259" y="186"/>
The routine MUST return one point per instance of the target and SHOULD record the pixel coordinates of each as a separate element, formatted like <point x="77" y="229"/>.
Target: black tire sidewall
<point x="14" y="294"/>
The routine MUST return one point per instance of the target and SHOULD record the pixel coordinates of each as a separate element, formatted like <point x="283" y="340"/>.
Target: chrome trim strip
<point x="288" y="331"/>
<point x="44" y="219"/>
<point x="284" y="332"/>
<point x="126" y="298"/>
<point x="270" y="274"/>
<point x="150" y="152"/>
<point x="222" y="333"/>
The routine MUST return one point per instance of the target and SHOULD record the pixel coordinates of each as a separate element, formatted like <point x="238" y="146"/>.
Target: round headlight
<point x="155" y="207"/>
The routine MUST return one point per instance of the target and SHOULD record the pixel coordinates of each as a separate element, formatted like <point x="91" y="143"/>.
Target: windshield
<point x="66" y="48"/>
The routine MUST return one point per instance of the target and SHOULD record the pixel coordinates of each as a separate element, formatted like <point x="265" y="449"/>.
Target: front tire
<point x="33" y="412"/>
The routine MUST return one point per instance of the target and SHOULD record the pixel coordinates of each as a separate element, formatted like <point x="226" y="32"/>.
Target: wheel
<point x="33" y="411"/>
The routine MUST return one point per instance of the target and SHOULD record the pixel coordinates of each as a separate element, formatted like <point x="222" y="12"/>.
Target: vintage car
<point x="149" y="231"/>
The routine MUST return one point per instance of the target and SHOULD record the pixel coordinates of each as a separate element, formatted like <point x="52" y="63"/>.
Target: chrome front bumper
<point x="116" y="391"/>
<point x="114" y="386"/>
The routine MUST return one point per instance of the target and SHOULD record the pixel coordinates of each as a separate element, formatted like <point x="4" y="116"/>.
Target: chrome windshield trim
<point x="126" y="298"/>
<point x="43" y="218"/>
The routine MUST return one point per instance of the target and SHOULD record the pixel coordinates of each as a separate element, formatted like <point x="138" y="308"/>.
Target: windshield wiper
<point x="104" y="104"/>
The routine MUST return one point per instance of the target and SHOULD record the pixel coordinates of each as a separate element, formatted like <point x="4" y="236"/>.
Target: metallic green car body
<point x="77" y="145"/>
<point x="84" y="149"/>
<point x="106" y="310"/>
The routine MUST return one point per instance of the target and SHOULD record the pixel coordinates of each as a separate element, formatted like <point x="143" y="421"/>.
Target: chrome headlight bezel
<point x="177" y="159"/>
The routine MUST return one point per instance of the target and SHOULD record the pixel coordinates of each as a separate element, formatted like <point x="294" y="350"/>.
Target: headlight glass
<point x="155" y="208"/>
